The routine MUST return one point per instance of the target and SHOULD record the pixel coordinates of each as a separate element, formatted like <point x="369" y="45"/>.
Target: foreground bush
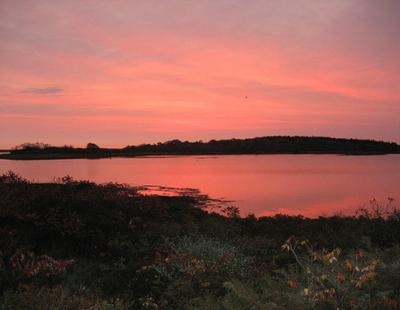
<point x="79" y="245"/>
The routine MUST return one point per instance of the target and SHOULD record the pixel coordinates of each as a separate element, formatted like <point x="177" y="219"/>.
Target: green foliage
<point x="79" y="245"/>
<point x="56" y="298"/>
<point x="331" y="278"/>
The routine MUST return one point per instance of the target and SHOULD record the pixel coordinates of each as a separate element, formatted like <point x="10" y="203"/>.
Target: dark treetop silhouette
<point x="259" y="145"/>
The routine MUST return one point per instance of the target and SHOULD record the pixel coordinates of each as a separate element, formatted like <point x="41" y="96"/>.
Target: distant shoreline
<point x="272" y="145"/>
<point x="104" y="156"/>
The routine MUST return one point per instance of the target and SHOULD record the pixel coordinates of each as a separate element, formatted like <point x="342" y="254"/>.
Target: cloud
<point x="55" y="109"/>
<point x="43" y="91"/>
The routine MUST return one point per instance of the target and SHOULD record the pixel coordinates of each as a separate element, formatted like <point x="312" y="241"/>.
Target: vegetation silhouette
<point x="260" y="145"/>
<point x="80" y="245"/>
<point x="91" y="146"/>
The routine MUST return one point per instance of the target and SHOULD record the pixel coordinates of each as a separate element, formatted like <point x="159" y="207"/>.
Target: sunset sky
<point x="127" y="72"/>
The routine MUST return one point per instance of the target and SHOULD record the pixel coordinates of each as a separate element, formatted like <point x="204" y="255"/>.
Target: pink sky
<point x="127" y="72"/>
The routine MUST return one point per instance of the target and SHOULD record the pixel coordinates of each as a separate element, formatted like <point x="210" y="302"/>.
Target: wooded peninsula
<point x="258" y="145"/>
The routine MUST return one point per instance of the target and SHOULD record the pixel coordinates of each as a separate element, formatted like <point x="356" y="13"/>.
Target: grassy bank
<point x="79" y="245"/>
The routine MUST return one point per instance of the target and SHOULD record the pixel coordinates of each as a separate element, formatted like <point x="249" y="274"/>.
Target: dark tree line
<point x="260" y="145"/>
<point x="269" y="145"/>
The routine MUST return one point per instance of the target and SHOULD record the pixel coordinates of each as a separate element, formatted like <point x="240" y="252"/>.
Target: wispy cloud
<point x="43" y="91"/>
<point x="53" y="109"/>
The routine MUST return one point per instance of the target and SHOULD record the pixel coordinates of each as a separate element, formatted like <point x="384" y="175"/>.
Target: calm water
<point x="262" y="184"/>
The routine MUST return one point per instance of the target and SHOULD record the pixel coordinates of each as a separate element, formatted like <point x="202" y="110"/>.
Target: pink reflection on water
<point x="310" y="185"/>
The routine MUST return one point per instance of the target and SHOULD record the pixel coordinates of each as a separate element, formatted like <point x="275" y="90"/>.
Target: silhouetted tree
<point x="92" y="146"/>
<point x="32" y="146"/>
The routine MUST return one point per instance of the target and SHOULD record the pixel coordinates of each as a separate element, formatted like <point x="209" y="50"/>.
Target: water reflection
<point x="311" y="185"/>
